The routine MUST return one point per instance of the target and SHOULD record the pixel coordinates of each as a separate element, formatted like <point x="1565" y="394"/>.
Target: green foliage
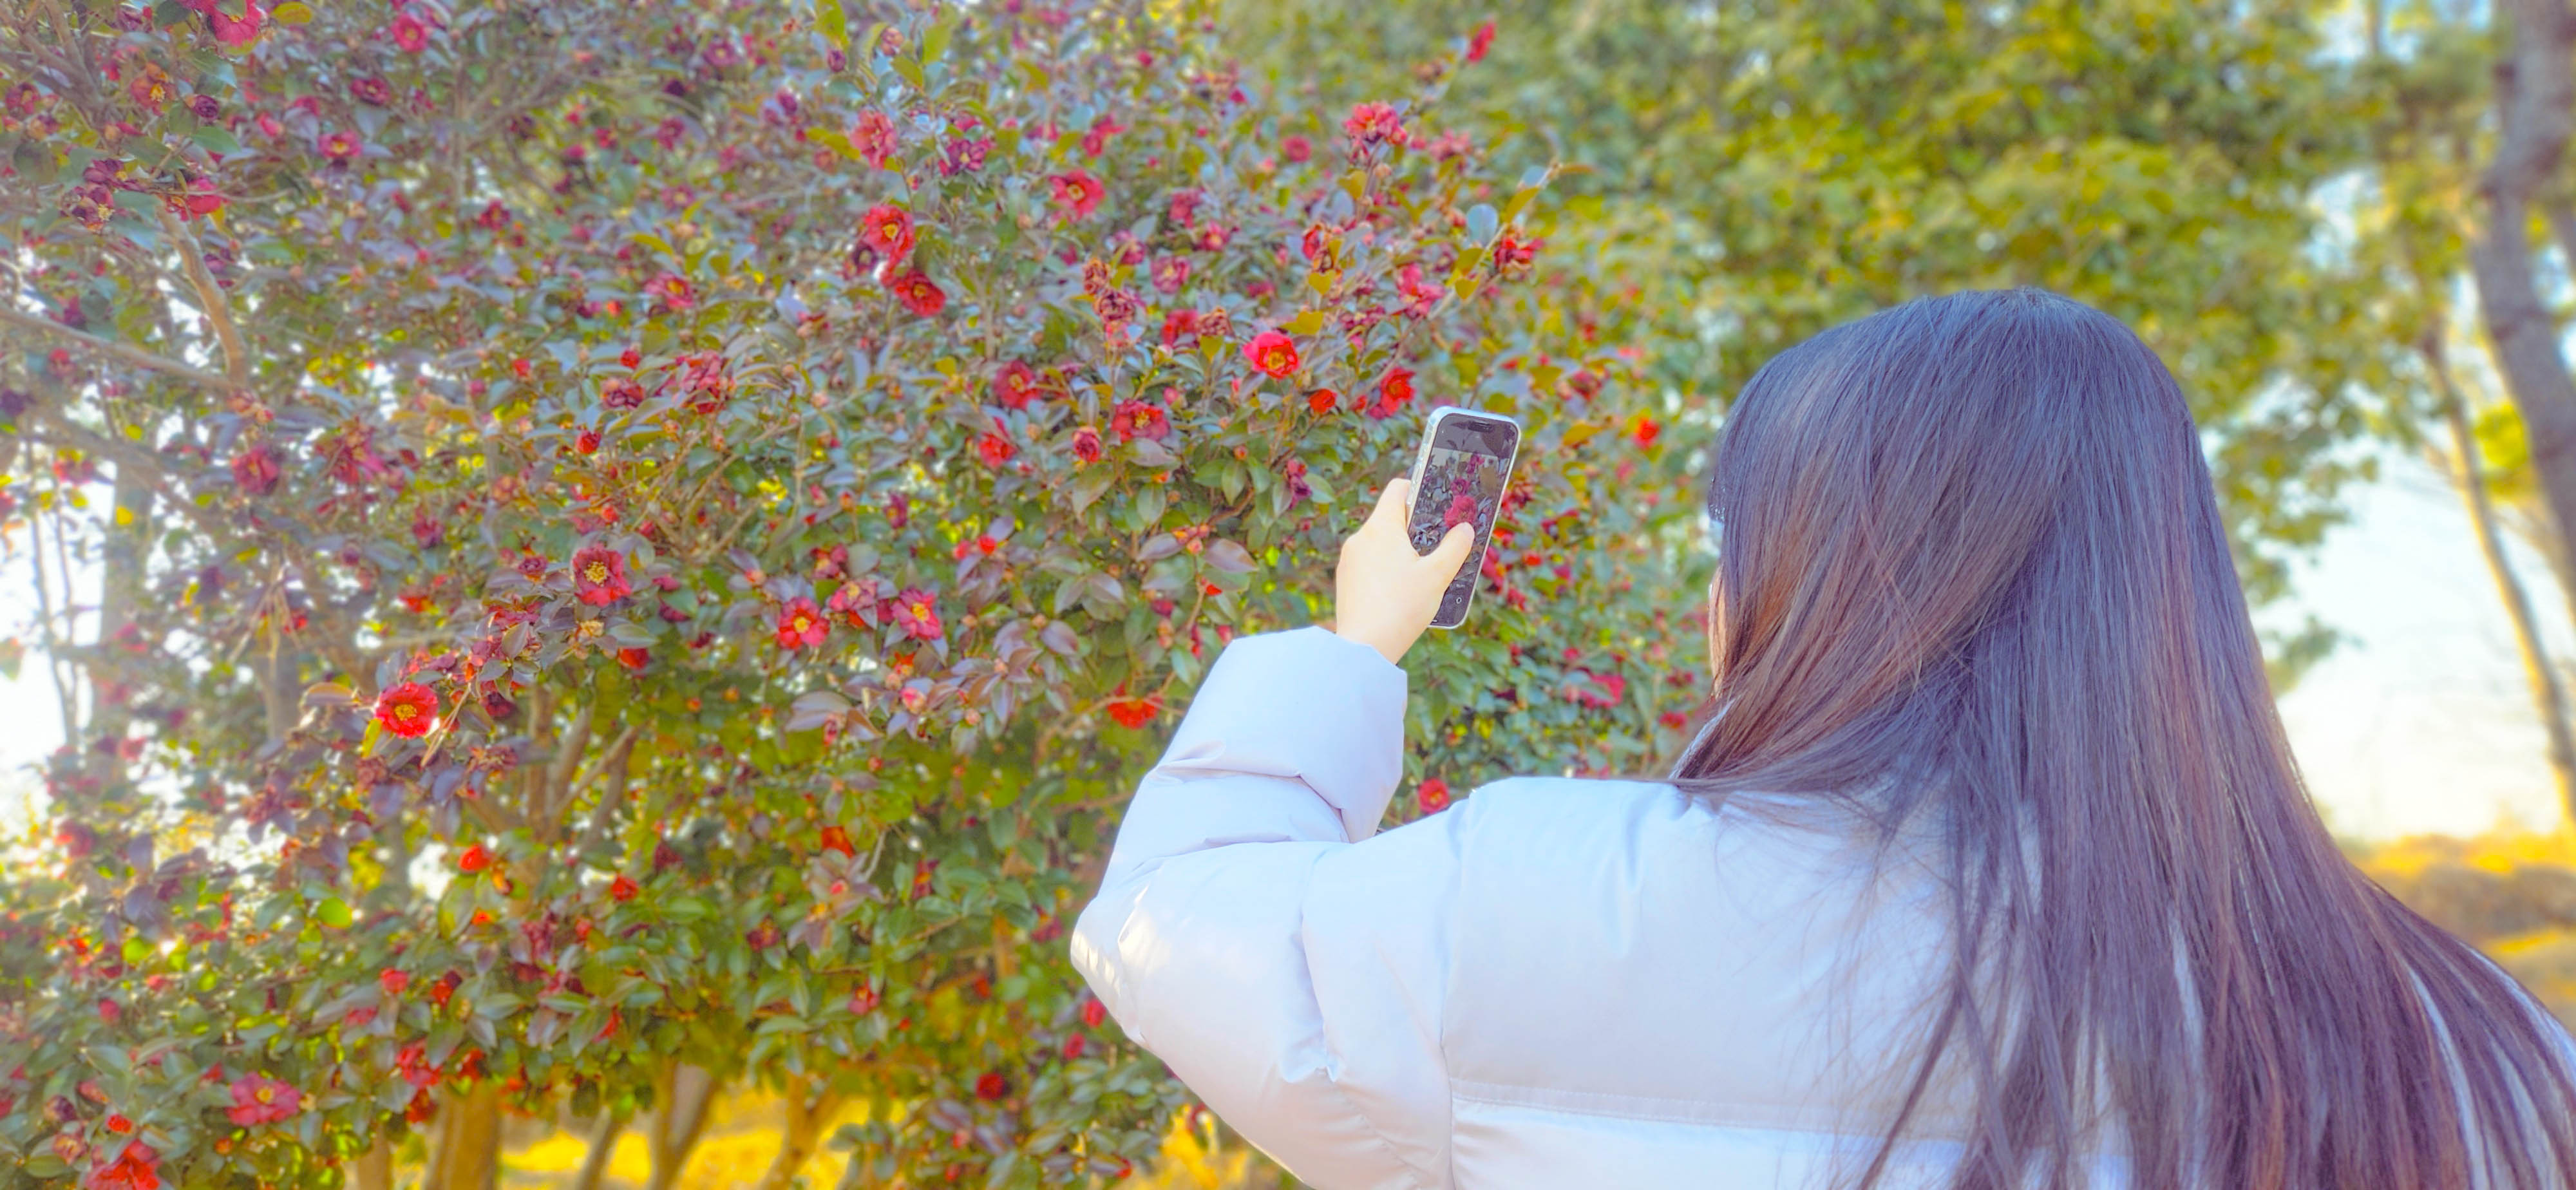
<point x="646" y="536"/>
<point x="1766" y="170"/>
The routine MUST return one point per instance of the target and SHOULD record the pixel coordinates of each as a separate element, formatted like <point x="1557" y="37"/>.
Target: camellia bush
<point x="638" y="550"/>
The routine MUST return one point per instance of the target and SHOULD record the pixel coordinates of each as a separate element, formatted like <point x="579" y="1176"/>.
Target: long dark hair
<point x="1971" y="563"/>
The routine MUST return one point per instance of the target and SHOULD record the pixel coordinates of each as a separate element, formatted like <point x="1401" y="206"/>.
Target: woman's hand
<point x="1384" y="594"/>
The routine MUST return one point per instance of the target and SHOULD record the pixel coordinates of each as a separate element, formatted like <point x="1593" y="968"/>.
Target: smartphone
<point x="1459" y="475"/>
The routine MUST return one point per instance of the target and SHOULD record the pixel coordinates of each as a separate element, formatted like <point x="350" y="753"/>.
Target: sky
<point x="2420" y="722"/>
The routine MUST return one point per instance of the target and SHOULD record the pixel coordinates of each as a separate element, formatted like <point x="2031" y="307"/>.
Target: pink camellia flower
<point x="1015" y="385"/>
<point x="1086" y="444"/>
<point x="920" y="294"/>
<point x="1272" y="353"/>
<point x="1171" y="273"/>
<point x="259" y="1099"/>
<point x="341" y="146"/>
<point x="599" y="576"/>
<point x="874" y="137"/>
<point x="801" y="624"/>
<point x="231" y="30"/>
<point x="917" y="613"/>
<point x="887" y="231"/>
<point x="1140" y="419"/>
<point x="1296" y="149"/>
<point x="1078" y="192"/>
<point x="1374" y="124"/>
<point x="1481" y="41"/>
<point x="370" y="90"/>
<point x="409" y="33"/>
<point x="672" y="290"/>
<point x="255" y="471"/>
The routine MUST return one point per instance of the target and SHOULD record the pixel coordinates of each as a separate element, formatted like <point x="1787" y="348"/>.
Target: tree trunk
<point x="124" y="558"/>
<point x="374" y="1169"/>
<point x="603" y="1144"/>
<point x="465" y="1152"/>
<point x="809" y="1108"/>
<point x="679" y="1116"/>
<point x="2536" y="106"/>
<point x="2548" y="693"/>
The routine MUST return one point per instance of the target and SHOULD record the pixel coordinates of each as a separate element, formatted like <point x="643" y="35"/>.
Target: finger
<point x="1454" y="546"/>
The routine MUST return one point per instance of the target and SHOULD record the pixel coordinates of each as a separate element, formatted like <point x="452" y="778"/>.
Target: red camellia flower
<point x="919" y="293"/>
<point x="1086" y="444"/>
<point x="1078" y="192"/>
<point x="836" y="838"/>
<point x="801" y="624"/>
<point x="1134" y="712"/>
<point x="1072" y="1046"/>
<point x="586" y="442"/>
<point x="599" y="576"/>
<point x="255" y="471"/>
<point x="259" y="1099"/>
<point x="622" y="889"/>
<point x="137" y="1166"/>
<point x="393" y="980"/>
<point x="991" y="1085"/>
<point x="1433" y="795"/>
<point x="1322" y="400"/>
<point x="340" y="146"/>
<point x="1272" y="353"/>
<point x="1180" y="323"/>
<point x="917" y="614"/>
<point x="1393" y="391"/>
<point x="1374" y="124"/>
<point x="1140" y="419"/>
<point x="409" y="709"/>
<point x="1481" y="41"/>
<point x="409" y="33"/>
<point x="1094" y="1012"/>
<point x="864" y="1000"/>
<point x="473" y="859"/>
<point x="633" y="658"/>
<point x="1644" y="430"/>
<point x="994" y="448"/>
<point x="1015" y="385"/>
<point x="887" y="231"/>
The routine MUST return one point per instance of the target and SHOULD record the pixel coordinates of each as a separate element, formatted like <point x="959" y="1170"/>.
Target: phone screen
<point x="1460" y="476"/>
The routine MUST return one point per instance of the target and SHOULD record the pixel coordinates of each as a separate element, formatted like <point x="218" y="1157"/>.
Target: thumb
<point x="1454" y="546"/>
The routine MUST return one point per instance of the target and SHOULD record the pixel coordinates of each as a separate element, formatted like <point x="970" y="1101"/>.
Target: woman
<point x="1990" y="867"/>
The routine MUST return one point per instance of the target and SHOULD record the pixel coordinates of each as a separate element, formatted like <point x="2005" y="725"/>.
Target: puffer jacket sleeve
<point x="1254" y="931"/>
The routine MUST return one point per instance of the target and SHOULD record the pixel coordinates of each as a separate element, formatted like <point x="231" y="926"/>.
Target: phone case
<point x="1462" y="589"/>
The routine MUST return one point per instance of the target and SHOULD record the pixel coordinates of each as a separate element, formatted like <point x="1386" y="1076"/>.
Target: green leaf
<point x="1309" y="323"/>
<point x="333" y="913"/>
<point x="293" y="12"/>
<point x="934" y="44"/>
<point x="834" y="23"/>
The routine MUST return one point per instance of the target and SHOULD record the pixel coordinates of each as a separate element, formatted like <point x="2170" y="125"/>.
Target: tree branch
<point x="210" y="299"/>
<point x="132" y="355"/>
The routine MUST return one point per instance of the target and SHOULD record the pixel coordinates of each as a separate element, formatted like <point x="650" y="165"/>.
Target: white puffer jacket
<point x="1558" y="983"/>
